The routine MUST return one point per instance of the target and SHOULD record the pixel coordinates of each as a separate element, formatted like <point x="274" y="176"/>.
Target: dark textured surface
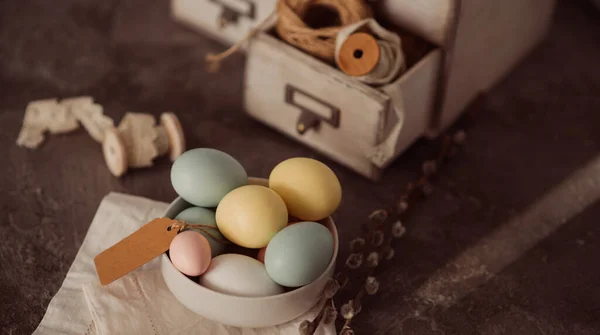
<point x="536" y="129"/>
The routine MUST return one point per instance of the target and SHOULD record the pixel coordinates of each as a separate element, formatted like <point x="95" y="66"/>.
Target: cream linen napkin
<point x="138" y="303"/>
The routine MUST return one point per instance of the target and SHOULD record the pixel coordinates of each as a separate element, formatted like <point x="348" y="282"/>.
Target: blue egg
<point x="199" y="215"/>
<point x="204" y="176"/>
<point x="299" y="253"/>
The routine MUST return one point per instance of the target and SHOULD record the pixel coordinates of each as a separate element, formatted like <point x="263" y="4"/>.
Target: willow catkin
<point x="319" y="42"/>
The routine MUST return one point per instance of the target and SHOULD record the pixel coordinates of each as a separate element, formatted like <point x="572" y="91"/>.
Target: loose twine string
<point x="290" y="26"/>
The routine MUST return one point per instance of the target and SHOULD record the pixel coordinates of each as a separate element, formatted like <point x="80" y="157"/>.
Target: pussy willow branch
<point x="393" y="214"/>
<point x="448" y="148"/>
<point x="382" y="249"/>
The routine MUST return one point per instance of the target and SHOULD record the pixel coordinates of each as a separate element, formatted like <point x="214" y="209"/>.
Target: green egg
<point x="204" y="176"/>
<point x="199" y="215"/>
<point x="299" y="253"/>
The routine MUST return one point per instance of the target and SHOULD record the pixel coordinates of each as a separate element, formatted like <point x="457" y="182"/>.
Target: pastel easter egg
<point x="199" y="215"/>
<point x="240" y="276"/>
<point x="204" y="176"/>
<point x="190" y="253"/>
<point x="260" y="256"/>
<point x="251" y="215"/>
<point x="309" y="188"/>
<point x="299" y="254"/>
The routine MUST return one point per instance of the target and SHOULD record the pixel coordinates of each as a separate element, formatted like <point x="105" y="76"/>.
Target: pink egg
<point x="190" y="253"/>
<point x="261" y="255"/>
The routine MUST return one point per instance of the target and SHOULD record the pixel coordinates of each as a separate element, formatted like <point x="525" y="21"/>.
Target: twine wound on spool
<point x="289" y="19"/>
<point x="358" y="55"/>
<point x="375" y="58"/>
<point x="137" y="141"/>
<point x="319" y="42"/>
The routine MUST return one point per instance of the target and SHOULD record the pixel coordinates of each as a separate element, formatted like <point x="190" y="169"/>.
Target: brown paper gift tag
<point x="137" y="249"/>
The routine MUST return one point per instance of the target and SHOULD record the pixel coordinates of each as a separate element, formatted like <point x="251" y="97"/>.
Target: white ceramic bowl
<point x="244" y="311"/>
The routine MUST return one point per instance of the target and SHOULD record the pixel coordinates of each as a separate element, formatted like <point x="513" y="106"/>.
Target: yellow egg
<point x="310" y="189"/>
<point x="251" y="215"/>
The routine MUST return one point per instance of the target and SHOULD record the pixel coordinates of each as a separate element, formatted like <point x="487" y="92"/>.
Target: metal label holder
<point x="310" y="118"/>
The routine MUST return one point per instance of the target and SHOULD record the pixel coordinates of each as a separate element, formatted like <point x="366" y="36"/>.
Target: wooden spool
<point x="169" y="139"/>
<point x="358" y="55"/>
<point x="172" y="126"/>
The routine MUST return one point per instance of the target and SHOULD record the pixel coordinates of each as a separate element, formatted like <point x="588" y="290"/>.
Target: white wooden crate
<point x="359" y="126"/>
<point x="476" y="43"/>
<point x="226" y="21"/>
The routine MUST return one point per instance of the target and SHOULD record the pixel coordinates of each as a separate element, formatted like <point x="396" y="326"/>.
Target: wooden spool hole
<point x="358" y="55"/>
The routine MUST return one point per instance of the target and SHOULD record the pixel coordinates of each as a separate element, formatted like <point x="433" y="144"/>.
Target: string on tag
<point x="143" y="245"/>
<point x="179" y="226"/>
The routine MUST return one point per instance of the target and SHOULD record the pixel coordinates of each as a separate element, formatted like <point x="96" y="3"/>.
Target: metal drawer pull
<point x="312" y="110"/>
<point x="233" y="9"/>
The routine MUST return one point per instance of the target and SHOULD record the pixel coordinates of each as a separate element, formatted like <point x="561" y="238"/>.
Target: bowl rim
<point x="299" y="290"/>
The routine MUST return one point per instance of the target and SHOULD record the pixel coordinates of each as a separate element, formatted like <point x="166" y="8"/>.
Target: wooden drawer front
<point x="224" y="20"/>
<point x="285" y="87"/>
